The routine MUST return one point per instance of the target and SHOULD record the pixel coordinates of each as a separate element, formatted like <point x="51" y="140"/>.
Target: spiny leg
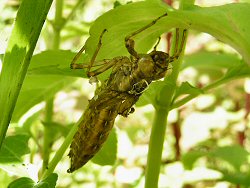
<point x="74" y="65"/>
<point x="178" y="49"/>
<point x="107" y="65"/>
<point x="130" y="43"/>
<point x="97" y="50"/>
<point x="145" y="27"/>
<point x="184" y="36"/>
<point x="177" y="33"/>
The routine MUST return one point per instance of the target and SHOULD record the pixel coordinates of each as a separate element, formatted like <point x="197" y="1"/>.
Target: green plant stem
<point x="190" y="97"/>
<point x="71" y="14"/>
<point x="162" y="106"/>
<point x="47" y="142"/>
<point x="155" y="147"/>
<point x="58" y="24"/>
<point x="59" y="154"/>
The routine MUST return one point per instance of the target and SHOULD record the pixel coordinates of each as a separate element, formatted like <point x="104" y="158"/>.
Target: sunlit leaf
<point x="242" y="70"/>
<point x="234" y="155"/>
<point x="37" y="89"/>
<point x="212" y="60"/>
<point x="48" y="73"/>
<point x="49" y="182"/>
<point x="186" y="88"/>
<point x="23" y="182"/>
<point x="148" y="96"/>
<point x="191" y="157"/>
<point x="54" y="62"/>
<point x="14" y="147"/>
<point x="237" y="178"/>
<point x="228" y="23"/>
<point x="22" y="41"/>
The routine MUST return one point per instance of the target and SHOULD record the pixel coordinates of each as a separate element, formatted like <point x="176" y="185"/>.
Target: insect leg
<point x="177" y="33"/>
<point x="130" y="43"/>
<point x="97" y="50"/>
<point x="108" y="65"/>
<point x="74" y="65"/>
<point x="184" y="35"/>
<point x="178" y="49"/>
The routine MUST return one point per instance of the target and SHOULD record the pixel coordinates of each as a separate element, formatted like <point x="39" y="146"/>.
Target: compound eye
<point x="161" y="60"/>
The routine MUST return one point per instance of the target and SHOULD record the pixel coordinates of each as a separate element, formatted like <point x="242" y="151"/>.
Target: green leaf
<point x="236" y="68"/>
<point x="228" y="23"/>
<point x="14" y="147"/>
<point x="237" y="178"/>
<point x="48" y="73"/>
<point x="191" y="157"/>
<point x="57" y="129"/>
<point x="234" y="155"/>
<point x="26" y="127"/>
<point x="187" y="88"/>
<point x="107" y="155"/>
<point x="156" y="89"/>
<point x="23" y="182"/>
<point x="54" y="62"/>
<point x="211" y="60"/>
<point x="49" y="182"/>
<point x="148" y="96"/>
<point x="212" y="64"/>
<point x="1" y="57"/>
<point x="46" y="76"/>
<point x="28" y="25"/>
<point x="37" y="89"/>
<point x="242" y="70"/>
<point x="5" y="178"/>
<point x="119" y="24"/>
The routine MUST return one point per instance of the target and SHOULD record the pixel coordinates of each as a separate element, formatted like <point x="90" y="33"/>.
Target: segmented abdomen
<point x="111" y="99"/>
<point x="92" y="133"/>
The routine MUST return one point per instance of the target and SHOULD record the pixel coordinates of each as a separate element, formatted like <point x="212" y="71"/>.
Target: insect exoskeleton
<point x="129" y="78"/>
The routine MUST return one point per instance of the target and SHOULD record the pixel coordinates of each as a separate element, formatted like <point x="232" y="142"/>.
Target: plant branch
<point x="71" y="14"/>
<point x="192" y="96"/>
<point x="155" y="148"/>
<point x="60" y="152"/>
<point x="162" y="104"/>
<point x="57" y="24"/>
<point x="47" y="140"/>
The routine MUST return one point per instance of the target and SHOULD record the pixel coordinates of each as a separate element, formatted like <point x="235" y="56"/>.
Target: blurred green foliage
<point x="206" y="143"/>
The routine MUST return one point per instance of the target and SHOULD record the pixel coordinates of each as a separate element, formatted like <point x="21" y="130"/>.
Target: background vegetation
<point x="170" y="140"/>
